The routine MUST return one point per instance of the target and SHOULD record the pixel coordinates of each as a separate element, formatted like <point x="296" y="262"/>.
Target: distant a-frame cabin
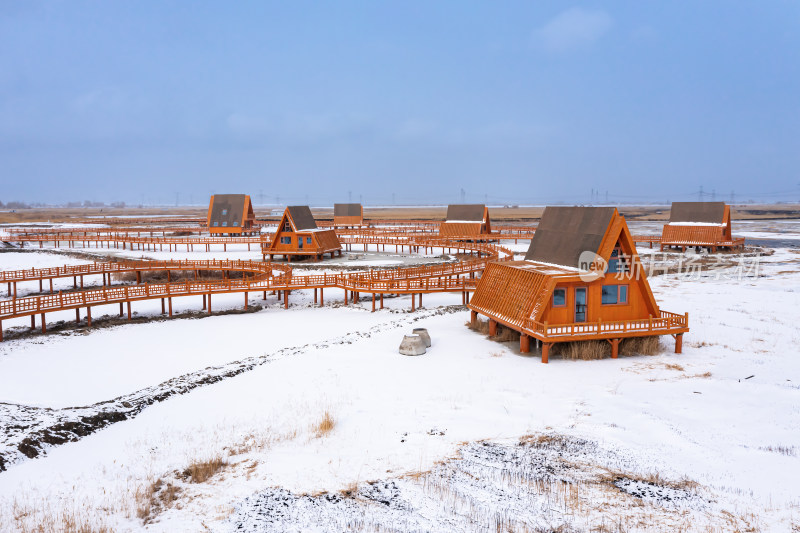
<point x="580" y="280"/>
<point x="231" y="214"/>
<point x="699" y="224"/>
<point x="467" y="221"/>
<point x="348" y="215"/>
<point x="299" y="236"/>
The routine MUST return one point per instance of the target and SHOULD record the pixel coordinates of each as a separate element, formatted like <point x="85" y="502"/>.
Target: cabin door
<point x="580" y="304"/>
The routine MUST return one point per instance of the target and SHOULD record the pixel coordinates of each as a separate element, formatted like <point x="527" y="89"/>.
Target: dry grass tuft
<point x="155" y="498"/>
<point x="640" y="346"/>
<point x="504" y="334"/>
<point x="202" y="471"/>
<point x="480" y="326"/>
<point x="591" y="350"/>
<point x="496" y="354"/>
<point x="583" y="350"/>
<point x="350" y="490"/>
<point x="325" y="425"/>
<point x="670" y="366"/>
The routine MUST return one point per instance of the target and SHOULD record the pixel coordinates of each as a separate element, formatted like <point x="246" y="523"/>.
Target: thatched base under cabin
<point x="578" y="350"/>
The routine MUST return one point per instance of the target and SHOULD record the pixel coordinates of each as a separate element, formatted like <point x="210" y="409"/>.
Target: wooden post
<point x="345" y="296"/>
<point x="1" y="331"/>
<point x="33" y="322"/>
<point x="245" y="301"/>
<point x="120" y="308"/>
<point x="524" y="343"/>
<point x="315" y="295"/>
<point x="170" y="305"/>
<point x="373" y="302"/>
<point x="545" y="352"/>
<point x="474" y="318"/>
<point x="162" y="306"/>
<point x="77" y="315"/>
<point x="679" y="343"/>
<point x="321" y="297"/>
<point x="44" y="324"/>
<point x="420" y="299"/>
<point x="130" y="315"/>
<point x="614" y="348"/>
<point x="381" y="300"/>
<point x="204" y="302"/>
<point x="88" y="316"/>
<point x="492" y="327"/>
<point x="209" y="303"/>
<point x="286" y="299"/>
<point x="413" y="300"/>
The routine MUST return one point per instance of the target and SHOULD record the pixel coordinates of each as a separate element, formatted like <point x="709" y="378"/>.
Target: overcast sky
<point x="295" y="102"/>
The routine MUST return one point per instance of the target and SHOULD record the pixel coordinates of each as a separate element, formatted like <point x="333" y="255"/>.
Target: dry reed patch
<point x="583" y="350"/>
<point x="324" y="426"/>
<point x="671" y="366"/>
<point x="591" y="350"/>
<point x="155" y="498"/>
<point x="496" y="354"/>
<point x="45" y="519"/>
<point x="641" y="346"/>
<point x="255" y="442"/>
<point x="202" y="471"/>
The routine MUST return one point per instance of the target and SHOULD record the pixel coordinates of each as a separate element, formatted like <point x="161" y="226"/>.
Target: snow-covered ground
<point x="471" y="436"/>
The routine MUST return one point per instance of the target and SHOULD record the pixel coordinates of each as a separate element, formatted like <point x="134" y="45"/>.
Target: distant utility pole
<point x="700" y="194"/>
<point x="463" y="195"/>
<point x="591" y="196"/>
<point x="606" y="197"/>
<point x="360" y="199"/>
<point x="713" y="195"/>
<point x="733" y="197"/>
<point x="260" y="196"/>
<point x="350" y="197"/>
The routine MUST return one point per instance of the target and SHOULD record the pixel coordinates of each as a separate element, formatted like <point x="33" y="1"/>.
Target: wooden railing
<point x="665" y="323"/>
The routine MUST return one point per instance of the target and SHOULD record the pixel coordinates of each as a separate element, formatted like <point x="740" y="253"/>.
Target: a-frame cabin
<point x="580" y="280"/>
<point x="348" y="215"/>
<point x="699" y="224"/>
<point x="298" y="236"/>
<point x="466" y="220"/>
<point x="231" y="214"/>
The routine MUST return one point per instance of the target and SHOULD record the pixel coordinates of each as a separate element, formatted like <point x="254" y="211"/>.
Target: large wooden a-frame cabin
<point x="298" y="236"/>
<point x="699" y="224"/>
<point x="581" y="280"/>
<point x="466" y="220"/>
<point x="231" y="214"/>
<point x="348" y="215"/>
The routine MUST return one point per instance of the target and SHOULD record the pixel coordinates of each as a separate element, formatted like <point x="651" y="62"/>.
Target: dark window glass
<point x="559" y="298"/>
<point x="609" y="294"/>
<point x="308" y="240"/>
<point x="623" y="294"/>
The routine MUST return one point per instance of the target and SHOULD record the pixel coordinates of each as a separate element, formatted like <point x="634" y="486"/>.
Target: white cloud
<point x="573" y="29"/>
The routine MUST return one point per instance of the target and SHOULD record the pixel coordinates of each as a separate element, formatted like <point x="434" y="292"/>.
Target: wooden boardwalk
<point x="257" y="276"/>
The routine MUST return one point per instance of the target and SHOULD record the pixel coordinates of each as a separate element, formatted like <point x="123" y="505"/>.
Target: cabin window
<point x="216" y="224"/>
<point x="224" y="212"/>
<point x="286" y="240"/>
<point x="618" y="262"/>
<point x="287" y="227"/>
<point x="614" y="294"/>
<point x="308" y="240"/>
<point x="560" y="298"/>
<point x="224" y="223"/>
